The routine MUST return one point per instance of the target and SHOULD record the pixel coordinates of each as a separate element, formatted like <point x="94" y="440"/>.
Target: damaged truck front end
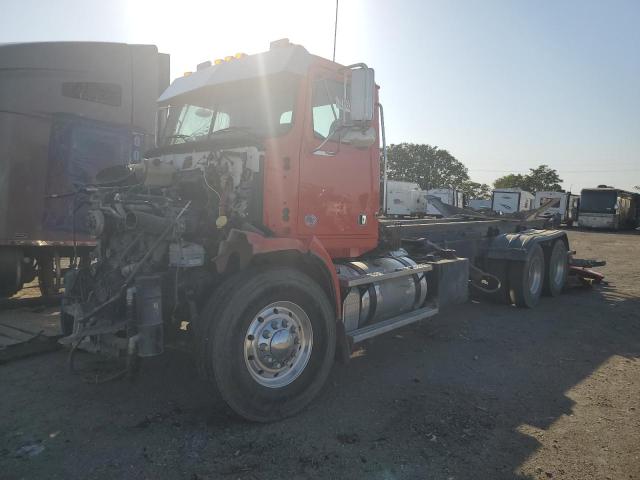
<point x="158" y="226"/>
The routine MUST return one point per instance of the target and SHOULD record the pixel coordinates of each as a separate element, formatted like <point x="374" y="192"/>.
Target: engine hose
<point x="482" y="275"/>
<point x="135" y="269"/>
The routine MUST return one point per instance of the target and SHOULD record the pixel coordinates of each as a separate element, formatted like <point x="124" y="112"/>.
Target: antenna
<point x="335" y="33"/>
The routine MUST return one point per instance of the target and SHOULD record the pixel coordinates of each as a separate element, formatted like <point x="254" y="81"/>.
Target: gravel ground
<point x="481" y="391"/>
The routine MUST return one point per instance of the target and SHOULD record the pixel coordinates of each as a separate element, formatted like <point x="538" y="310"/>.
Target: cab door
<point x="339" y="183"/>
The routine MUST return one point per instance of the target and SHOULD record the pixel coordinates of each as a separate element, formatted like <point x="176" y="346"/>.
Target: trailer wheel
<point x="526" y="279"/>
<point x="11" y="272"/>
<point x="47" y="280"/>
<point x="270" y="344"/>
<point x="557" y="269"/>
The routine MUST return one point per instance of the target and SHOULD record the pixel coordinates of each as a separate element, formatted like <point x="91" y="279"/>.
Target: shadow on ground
<point x="445" y="399"/>
<point x="477" y="392"/>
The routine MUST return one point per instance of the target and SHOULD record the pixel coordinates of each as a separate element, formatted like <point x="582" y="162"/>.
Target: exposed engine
<point x="158" y="225"/>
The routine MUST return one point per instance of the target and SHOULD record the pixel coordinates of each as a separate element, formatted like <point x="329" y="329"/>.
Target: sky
<point x="504" y="85"/>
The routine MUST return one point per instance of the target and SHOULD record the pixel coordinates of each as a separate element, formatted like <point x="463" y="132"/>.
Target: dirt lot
<point x="483" y="391"/>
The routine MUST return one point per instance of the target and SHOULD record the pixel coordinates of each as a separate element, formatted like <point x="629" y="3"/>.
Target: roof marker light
<point x="186" y="74"/>
<point x="203" y="65"/>
<point x="218" y="61"/>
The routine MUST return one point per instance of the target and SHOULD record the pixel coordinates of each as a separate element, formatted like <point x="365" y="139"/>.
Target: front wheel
<point x="269" y="342"/>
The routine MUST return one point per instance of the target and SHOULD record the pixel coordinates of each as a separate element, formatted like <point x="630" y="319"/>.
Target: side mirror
<point x="359" y="138"/>
<point x="161" y="122"/>
<point x="362" y="96"/>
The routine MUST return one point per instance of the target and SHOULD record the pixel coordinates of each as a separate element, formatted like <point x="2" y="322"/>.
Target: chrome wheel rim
<point x="535" y="274"/>
<point x="278" y="344"/>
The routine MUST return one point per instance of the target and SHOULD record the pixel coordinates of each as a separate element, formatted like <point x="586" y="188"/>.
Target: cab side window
<point x="327" y="115"/>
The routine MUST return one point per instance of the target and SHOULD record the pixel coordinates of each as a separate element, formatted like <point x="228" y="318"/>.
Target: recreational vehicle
<point x="511" y="200"/>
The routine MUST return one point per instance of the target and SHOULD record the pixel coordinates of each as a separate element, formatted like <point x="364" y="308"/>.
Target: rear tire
<point x="557" y="269"/>
<point x="269" y="342"/>
<point x="526" y="279"/>
<point x="47" y="275"/>
<point x="11" y="272"/>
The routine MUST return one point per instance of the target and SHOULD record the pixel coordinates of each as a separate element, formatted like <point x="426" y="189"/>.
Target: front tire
<point x="526" y="279"/>
<point x="269" y="342"/>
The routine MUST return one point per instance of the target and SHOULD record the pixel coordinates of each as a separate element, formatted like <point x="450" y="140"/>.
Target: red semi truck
<point x="255" y="231"/>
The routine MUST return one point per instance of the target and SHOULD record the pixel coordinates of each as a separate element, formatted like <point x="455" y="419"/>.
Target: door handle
<point x="323" y="153"/>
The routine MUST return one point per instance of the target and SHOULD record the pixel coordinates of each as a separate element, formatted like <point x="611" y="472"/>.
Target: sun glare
<point x="196" y="31"/>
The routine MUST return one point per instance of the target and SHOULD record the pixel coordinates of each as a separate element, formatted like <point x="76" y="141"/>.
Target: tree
<point x="476" y="190"/>
<point x="512" y="180"/>
<point x="542" y="178"/>
<point x="430" y="167"/>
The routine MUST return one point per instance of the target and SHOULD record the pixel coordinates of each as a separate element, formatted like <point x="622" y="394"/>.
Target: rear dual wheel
<point x="526" y="279"/>
<point x="267" y="341"/>
<point x="539" y="274"/>
<point x="557" y="269"/>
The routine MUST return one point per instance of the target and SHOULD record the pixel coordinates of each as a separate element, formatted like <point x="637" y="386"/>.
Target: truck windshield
<point x="598" y="201"/>
<point x="259" y="106"/>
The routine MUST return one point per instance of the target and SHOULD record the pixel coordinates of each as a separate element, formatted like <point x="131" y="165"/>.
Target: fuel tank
<point x="375" y="302"/>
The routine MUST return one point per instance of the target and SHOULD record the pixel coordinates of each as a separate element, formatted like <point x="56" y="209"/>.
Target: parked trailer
<point x="511" y="200"/>
<point x="405" y="199"/>
<point x="608" y="208"/>
<point x="256" y="237"/>
<point x="480" y="204"/>
<point x="67" y="110"/>
<point x="448" y="196"/>
<point x="563" y="205"/>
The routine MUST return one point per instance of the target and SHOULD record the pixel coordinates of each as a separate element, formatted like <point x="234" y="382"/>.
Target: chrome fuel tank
<point x="379" y="301"/>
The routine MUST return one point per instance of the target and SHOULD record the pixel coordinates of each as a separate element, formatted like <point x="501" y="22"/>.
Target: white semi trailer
<point x="405" y="199"/>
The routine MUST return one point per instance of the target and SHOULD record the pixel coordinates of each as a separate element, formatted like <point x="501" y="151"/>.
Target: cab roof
<point x="291" y="58"/>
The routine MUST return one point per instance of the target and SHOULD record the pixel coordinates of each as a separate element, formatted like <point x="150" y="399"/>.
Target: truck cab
<point x="316" y="165"/>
